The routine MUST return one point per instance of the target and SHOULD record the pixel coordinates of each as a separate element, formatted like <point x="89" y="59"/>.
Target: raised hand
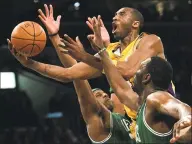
<point x="73" y="47"/>
<point x="96" y="40"/>
<point x="48" y="20"/>
<point x="179" y="134"/>
<point x="104" y="33"/>
<point x="22" y="59"/>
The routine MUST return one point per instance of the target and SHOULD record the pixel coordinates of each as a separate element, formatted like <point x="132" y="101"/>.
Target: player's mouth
<point x="114" y="27"/>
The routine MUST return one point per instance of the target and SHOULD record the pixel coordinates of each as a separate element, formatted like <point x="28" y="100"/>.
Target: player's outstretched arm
<point x="52" y="71"/>
<point x="94" y="113"/>
<point x="52" y="27"/>
<point x="84" y="71"/>
<point x="149" y="46"/>
<point x="168" y="105"/>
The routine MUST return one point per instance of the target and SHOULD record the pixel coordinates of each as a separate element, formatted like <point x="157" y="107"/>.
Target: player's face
<point x="103" y="98"/>
<point x="122" y="24"/>
<point x="140" y="76"/>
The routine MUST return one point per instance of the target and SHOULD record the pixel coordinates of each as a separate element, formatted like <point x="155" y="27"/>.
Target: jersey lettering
<point x="126" y="124"/>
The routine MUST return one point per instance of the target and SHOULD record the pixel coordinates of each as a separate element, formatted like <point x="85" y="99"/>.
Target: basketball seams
<point x="38" y="47"/>
<point x="23" y="47"/>
<point x="26" y="31"/>
<point x="39" y="34"/>
<point x="27" y="39"/>
<point x="33" y="38"/>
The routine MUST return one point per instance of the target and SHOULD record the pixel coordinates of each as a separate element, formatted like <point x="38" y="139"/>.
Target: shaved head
<point x="136" y="15"/>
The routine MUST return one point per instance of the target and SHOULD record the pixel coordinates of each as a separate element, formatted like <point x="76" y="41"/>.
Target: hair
<point x="161" y="72"/>
<point x="95" y="89"/>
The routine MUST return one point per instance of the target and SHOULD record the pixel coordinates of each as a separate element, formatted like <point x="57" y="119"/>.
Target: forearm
<point x="92" y="61"/>
<point x="88" y="104"/>
<point x="51" y="71"/>
<point x="118" y="83"/>
<point x="65" y="59"/>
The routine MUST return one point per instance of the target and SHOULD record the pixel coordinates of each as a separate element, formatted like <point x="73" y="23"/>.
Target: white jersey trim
<point x="153" y="131"/>
<point x="108" y="137"/>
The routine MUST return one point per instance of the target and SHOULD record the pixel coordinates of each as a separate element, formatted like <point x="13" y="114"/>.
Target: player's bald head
<point x="136" y="15"/>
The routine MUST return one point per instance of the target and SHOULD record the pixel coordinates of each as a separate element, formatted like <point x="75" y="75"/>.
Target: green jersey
<point x="119" y="131"/>
<point x="145" y="134"/>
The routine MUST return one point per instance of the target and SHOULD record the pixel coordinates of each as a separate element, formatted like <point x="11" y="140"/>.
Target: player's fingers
<point x="98" y="20"/>
<point x="62" y="46"/>
<point x="89" y="25"/>
<point x="51" y="10"/>
<point x="64" y="51"/>
<point x="90" y="38"/>
<point x="42" y="19"/>
<point x="101" y="21"/>
<point x="90" y="20"/>
<point x="177" y="131"/>
<point x="173" y="140"/>
<point x="46" y="10"/>
<point x="69" y="39"/>
<point x="58" y="19"/>
<point x="10" y="45"/>
<point x="79" y="42"/>
<point x="42" y="14"/>
<point x="68" y="45"/>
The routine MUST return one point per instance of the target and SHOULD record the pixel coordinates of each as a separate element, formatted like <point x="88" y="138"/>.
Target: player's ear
<point x="146" y="79"/>
<point x="136" y="24"/>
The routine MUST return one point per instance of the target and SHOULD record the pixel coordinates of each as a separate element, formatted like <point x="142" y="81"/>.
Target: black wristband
<point x="51" y="35"/>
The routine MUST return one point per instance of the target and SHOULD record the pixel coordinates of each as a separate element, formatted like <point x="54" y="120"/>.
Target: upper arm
<point x="129" y="98"/>
<point x="149" y="46"/>
<point x="83" y="71"/>
<point x="168" y="105"/>
<point x="95" y="114"/>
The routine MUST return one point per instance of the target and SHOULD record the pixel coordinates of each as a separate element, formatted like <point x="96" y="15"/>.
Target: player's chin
<point x="109" y="104"/>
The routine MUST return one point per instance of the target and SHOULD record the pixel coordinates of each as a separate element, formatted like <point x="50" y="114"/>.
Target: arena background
<point x="41" y="110"/>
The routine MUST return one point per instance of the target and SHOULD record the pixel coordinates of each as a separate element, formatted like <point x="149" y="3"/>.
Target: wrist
<point x="102" y="51"/>
<point x="84" y="57"/>
<point x="53" y="34"/>
<point x="29" y="63"/>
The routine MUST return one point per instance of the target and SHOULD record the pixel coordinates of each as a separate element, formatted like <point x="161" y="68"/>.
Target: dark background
<point x="23" y="110"/>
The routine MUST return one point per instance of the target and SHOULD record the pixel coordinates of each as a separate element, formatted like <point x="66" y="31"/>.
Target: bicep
<point x="169" y="106"/>
<point x="128" y="97"/>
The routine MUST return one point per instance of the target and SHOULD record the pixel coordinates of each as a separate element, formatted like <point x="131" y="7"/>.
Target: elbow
<point x="129" y="74"/>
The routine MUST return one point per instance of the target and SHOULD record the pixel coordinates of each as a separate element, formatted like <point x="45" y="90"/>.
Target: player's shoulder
<point x="150" y="37"/>
<point x="156" y="98"/>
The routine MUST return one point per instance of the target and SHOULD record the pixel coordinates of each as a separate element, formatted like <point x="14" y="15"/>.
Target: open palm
<point x="104" y="33"/>
<point x="48" y="20"/>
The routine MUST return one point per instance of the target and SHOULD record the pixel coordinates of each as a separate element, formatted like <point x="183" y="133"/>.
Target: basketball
<point x="28" y="38"/>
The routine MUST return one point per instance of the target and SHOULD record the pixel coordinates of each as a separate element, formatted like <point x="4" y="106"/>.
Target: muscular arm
<point x="96" y="116"/>
<point x="120" y="86"/>
<point x="166" y="104"/>
<point x="62" y="74"/>
<point x="149" y="46"/>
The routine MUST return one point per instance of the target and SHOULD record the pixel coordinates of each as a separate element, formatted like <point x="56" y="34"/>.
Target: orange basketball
<point x="28" y="38"/>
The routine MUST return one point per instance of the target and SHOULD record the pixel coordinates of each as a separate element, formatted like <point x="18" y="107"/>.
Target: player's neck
<point x="146" y="92"/>
<point x="128" y="39"/>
